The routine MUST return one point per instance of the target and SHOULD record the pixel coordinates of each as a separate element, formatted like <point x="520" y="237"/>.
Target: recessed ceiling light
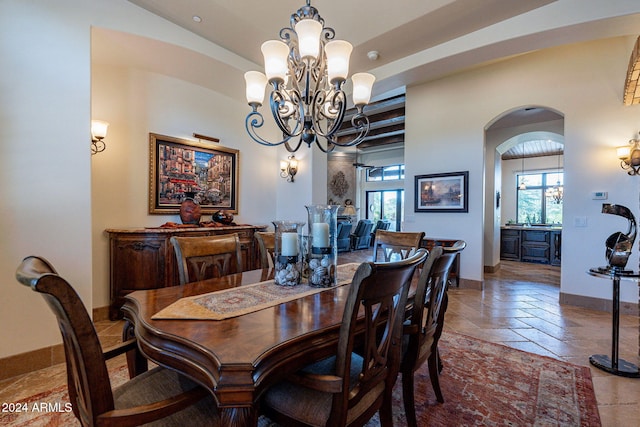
<point x="197" y="19"/>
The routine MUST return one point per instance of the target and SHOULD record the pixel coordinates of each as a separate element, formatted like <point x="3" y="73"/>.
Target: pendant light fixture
<point x="523" y="185"/>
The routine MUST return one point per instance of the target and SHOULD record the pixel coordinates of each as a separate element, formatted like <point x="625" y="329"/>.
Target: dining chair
<point x="396" y="244"/>
<point x="204" y="257"/>
<point x="457" y="247"/>
<point x="350" y="387"/>
<point x="422" y="332"/>
<point x="159" y="395"/>
<point x="266" y="247"/>
<point x="381" y="224"/>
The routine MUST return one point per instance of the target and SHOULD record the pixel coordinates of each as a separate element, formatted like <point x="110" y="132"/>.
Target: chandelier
<point x="307" y="69"/>
<point x="556" y="193"/>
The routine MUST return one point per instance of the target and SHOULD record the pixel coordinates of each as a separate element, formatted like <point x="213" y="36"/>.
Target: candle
<point x="320" y="234"/>
<point x="289" y="244"/>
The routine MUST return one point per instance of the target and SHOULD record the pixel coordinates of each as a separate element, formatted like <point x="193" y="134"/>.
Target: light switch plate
<point x="580" y="221"/>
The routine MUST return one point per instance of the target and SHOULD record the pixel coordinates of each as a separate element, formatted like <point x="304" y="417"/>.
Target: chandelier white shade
<point x="307" y="69"/>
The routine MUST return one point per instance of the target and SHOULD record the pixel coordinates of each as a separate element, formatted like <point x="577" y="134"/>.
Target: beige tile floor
<point x="518" y="307"/>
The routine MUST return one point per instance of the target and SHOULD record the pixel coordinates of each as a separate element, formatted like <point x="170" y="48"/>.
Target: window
<point x="386" y="173"/>
<point x="386" y="204"/>
<point x="536" y="205"/>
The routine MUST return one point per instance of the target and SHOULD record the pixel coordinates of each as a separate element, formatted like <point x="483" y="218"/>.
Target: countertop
<point x="532" y="227"/>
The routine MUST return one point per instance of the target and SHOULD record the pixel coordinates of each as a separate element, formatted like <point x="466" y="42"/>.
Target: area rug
<point x="484" y="384"/>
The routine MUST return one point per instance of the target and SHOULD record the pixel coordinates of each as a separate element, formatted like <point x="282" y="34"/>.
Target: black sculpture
<point x="619" y="244"/>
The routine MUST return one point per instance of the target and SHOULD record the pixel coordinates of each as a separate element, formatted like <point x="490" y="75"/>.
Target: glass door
<point x="386" y="204"/>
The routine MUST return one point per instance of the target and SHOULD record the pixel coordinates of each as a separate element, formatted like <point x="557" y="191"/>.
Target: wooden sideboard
<point x="143" y="258"/>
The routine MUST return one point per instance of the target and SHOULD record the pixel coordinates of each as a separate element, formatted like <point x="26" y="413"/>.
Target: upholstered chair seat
<point x="159" y="384"/>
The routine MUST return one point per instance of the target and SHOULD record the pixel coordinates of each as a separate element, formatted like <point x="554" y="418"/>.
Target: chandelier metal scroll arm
<point x="254" y="121"/>
<point x="360" y="123"/>
<point x="329" y="108"/>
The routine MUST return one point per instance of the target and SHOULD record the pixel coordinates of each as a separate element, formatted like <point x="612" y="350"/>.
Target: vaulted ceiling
<point x="416" y="40"/>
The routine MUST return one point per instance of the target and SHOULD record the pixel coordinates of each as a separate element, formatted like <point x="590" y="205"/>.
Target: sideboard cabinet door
<point x="137" y="262"/>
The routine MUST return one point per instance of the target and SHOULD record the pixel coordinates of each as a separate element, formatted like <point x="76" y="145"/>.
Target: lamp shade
<point x="362" y="85"/>
<point x="275" y="60"/>
<point x="256" y="83"/>
<point x="623" y="152"/>
<point x="308" y="31"/>
<point x="98" y="129"/>
<point x="338" y="54"/>
<point x="349" y="210"/>
<point x="293" y="163"/>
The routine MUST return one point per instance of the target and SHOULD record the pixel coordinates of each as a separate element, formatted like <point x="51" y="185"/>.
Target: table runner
<point x="220" y="305"/>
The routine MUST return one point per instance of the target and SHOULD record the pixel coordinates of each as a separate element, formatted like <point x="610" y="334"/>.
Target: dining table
<point x="196" y="330"/>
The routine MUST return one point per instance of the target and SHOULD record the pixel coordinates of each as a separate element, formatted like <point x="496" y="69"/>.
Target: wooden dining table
<point x="237" y="358"/>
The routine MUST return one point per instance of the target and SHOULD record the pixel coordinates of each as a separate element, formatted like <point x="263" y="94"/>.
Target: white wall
<point x="46" y="107"/>
<point x="45" y="162"/>
<point x="444" y="133"/>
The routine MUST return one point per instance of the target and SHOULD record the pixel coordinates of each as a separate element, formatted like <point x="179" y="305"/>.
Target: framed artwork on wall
<point x="182" y="168"/>
<point x="442" y="192"/>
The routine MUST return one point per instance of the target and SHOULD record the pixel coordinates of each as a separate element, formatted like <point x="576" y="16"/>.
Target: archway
<point x="530" y="132"/>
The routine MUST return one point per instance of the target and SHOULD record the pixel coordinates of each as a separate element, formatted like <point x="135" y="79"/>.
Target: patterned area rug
<point x="484" y="384"/>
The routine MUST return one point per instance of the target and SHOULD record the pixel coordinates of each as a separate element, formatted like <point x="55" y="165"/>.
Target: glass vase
<point x="322" y="255"/>
<point x="288" y="257"/>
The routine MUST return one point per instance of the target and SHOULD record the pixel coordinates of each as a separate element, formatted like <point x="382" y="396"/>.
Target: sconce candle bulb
<point x="289" y="168"/>
<point x="630" y="157"/>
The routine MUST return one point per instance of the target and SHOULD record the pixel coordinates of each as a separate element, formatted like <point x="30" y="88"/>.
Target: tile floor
<point x="518" y="307"/>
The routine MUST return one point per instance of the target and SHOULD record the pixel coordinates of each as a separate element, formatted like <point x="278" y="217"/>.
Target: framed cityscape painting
<point x="182" y="168"/>
<point x="442" y="192"/>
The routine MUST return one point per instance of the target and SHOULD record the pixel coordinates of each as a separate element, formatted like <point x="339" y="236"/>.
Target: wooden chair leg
<point x="386" y="412"/>
<point x="440" y="366"/>
<point x="435" y="377"/>
<point x="409" y="399"/>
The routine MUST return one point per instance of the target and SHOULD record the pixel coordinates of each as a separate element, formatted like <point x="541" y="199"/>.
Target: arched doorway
<point x="532" y="135"/>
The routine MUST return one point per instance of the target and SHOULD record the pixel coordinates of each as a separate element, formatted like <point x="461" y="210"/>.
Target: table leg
<point x="615" y="365"/>
<point x="238" y="417"/>
<point x="136" y="362"/>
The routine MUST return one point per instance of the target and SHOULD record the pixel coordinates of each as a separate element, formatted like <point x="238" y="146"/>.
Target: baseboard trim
<point x="30" y="361"/>
<point x="490" y="269"/>
<point x="598" y="304"/>
<point x="470" y="284"/>
<point x="100" y="314"/>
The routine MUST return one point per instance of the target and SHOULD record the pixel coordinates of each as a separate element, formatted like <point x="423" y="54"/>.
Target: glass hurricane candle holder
<point x="288" y="257"/>
<point x="323" y="245"/>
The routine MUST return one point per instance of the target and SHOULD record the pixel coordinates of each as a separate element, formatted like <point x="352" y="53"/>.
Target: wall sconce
<point x="98" y="133"/>
<point x="630" y="157"/>
<point x="289" y="168"/>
